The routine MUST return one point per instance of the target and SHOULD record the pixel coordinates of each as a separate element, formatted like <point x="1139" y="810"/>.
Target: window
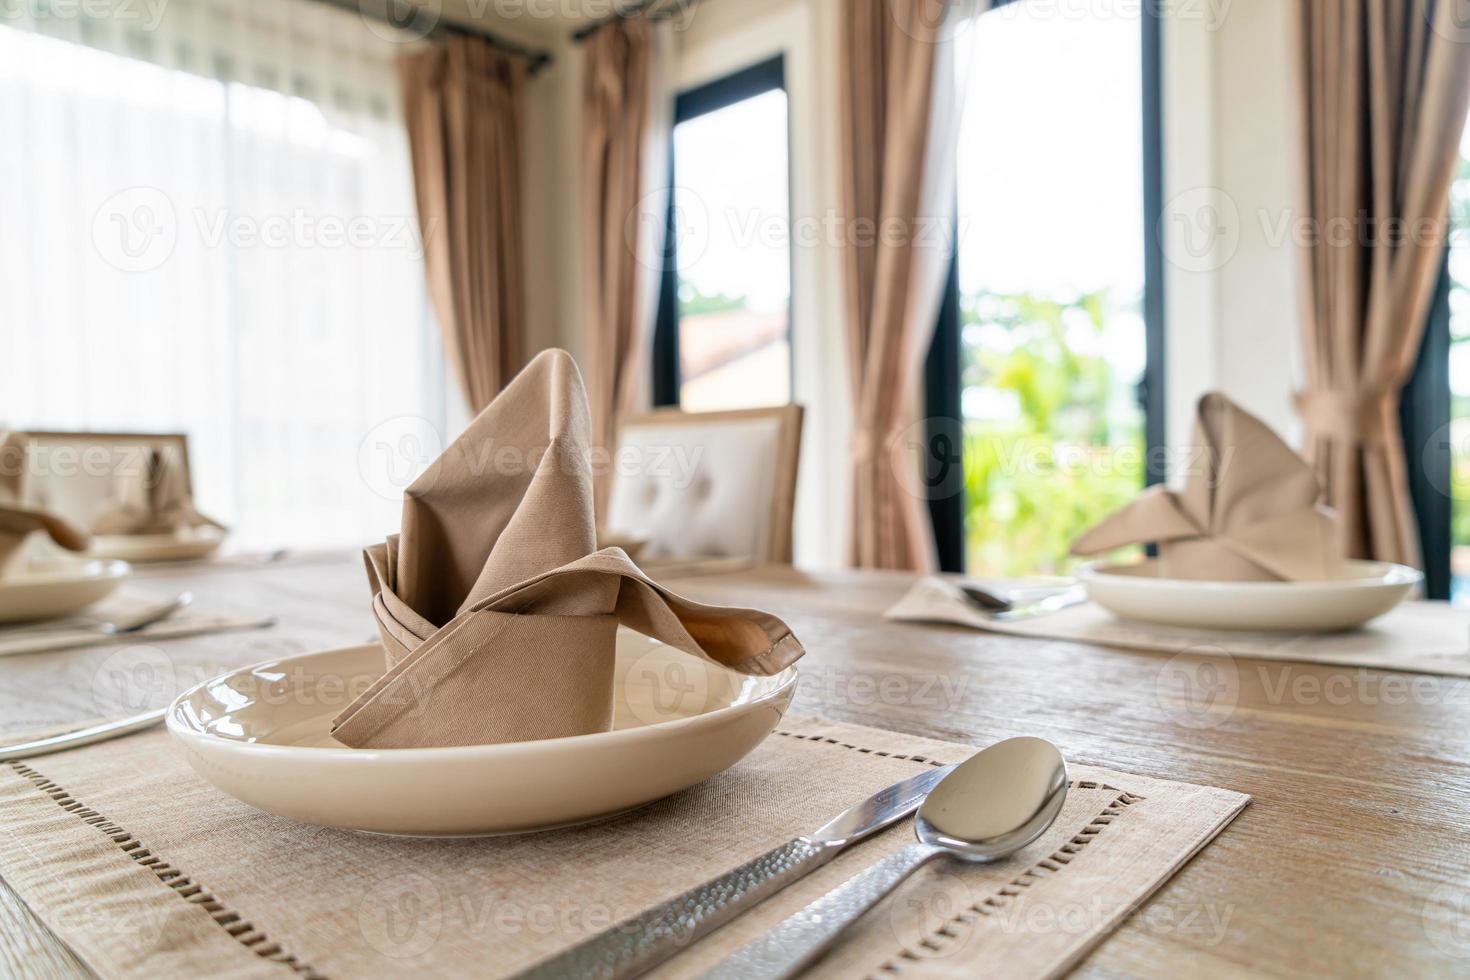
<point x="724" y="330"/>
<point x="1435" y="412"/>
<point x="1044" y="343"/>
<point x="209" y="228"/>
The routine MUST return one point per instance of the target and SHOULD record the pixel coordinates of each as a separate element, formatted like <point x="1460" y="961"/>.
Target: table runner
<point x="1419" y="637"/>
<point x="147" y="871"/>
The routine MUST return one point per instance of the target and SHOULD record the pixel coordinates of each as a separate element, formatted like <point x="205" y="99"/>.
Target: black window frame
<point x="1425" y="410"/>
<point x="945" y="364"/>
<point x="747" y="83"/>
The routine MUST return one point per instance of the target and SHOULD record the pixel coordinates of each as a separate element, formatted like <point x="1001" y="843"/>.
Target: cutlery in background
<point x="133" y="623"/>
<point x="81" y="736"/>
<point x="1056" y="602"/>
<point x="991" y="602"/>
<point x="992" y="805"/>
<point x="637" y="945"/>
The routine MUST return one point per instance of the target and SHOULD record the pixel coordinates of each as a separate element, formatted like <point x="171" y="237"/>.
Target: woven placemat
<point x="147" y="871"/>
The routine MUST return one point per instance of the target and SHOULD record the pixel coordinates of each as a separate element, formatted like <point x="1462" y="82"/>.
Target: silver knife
<point x="82" y="736"/>
<point x="1056" y="602"/>
<point x="636" y="945"/>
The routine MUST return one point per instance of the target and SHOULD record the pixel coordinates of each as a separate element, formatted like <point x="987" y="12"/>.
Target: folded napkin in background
<point x="18" y="522"/>
<point x="497" y="613"/>
<point x="1248" y="511"/>
<point x="155" y="500"/>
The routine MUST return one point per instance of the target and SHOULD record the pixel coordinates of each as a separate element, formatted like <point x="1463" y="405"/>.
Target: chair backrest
<point x="707" y="484"/>
<point x="75" y="474"/>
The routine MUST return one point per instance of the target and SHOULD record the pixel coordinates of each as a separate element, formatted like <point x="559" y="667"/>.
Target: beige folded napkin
<point x="17" y="521"/>
<point x="153" y="501"/>
<point x="497" y="613"/>
<point x="1248" y="511"/>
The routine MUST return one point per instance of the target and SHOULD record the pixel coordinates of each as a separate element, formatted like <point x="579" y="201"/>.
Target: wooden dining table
<point x="1353" y="858"/>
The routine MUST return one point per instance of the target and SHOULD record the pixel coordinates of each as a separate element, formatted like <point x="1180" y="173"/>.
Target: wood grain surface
<point x="1353" y="859"/>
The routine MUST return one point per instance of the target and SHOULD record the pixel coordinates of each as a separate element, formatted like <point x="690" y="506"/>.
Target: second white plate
<point x="48" y="589"/>
<point x="1367" y="590"/>
<point x="188" y="544"/>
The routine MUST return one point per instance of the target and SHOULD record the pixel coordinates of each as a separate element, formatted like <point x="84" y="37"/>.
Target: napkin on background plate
<point x="1248" y="511"/>
<point x="155" y="500"/>
<point x="18" y="522"/>
<point x="497" y="612"/>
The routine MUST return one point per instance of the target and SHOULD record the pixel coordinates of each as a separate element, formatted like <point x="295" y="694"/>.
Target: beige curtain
<point x="462" y="102"/>
<point x="1384" y="86"/>
<point x="625" y="128"/>
<point x="900" y="103"/>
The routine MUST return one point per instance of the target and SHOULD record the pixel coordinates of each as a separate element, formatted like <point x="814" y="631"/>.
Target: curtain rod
<point x="635" y="9"/>
<point x="426" y="23"/>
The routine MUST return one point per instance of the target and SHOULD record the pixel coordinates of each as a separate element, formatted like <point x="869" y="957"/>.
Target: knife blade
<point x="636" y="945"/>
<point x="1074" y="596"/>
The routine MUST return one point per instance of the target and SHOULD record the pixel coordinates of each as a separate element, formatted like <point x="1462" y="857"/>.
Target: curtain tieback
<point x="869" y="445"/>
<point x="1365" y="418"/>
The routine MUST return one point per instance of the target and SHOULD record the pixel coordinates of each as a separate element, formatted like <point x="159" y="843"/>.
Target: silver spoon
<point x="996" y="803"/>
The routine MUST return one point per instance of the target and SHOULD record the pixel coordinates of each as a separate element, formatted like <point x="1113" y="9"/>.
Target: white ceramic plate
<point x="1367" y="590"/>
<point x="187" y="544"/>
<point x="261" y="735"/>
<point x="48" y="589"/>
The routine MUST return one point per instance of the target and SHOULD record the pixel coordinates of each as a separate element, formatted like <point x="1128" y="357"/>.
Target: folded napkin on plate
<point x="154" y="500"/>
<point x="17" y="521"/>
<point x="497" y="613"/>
<point x="1248" y="512"/>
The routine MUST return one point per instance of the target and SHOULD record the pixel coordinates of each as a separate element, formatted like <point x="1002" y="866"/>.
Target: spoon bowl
<point x="997" y="802"/>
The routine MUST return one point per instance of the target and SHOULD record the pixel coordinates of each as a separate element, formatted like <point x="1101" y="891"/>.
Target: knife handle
<point x="802" y="937"/>
<point x="636" y="945"/>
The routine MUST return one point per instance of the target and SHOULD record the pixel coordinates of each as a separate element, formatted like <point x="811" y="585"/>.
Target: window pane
<point x="734" y="264"/>
<point x="1051" y="282"/>
<point x="1459" y="260"/>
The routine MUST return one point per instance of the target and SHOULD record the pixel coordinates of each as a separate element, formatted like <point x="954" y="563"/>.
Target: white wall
<point x="1230" y="283"/>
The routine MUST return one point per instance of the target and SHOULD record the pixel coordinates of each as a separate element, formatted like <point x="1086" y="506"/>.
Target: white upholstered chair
<point x="75" y="473"/>
<point x="707" y="485"/>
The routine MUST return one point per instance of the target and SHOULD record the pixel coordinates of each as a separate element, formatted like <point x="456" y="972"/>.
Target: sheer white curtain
<point x="207" y="226"/>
